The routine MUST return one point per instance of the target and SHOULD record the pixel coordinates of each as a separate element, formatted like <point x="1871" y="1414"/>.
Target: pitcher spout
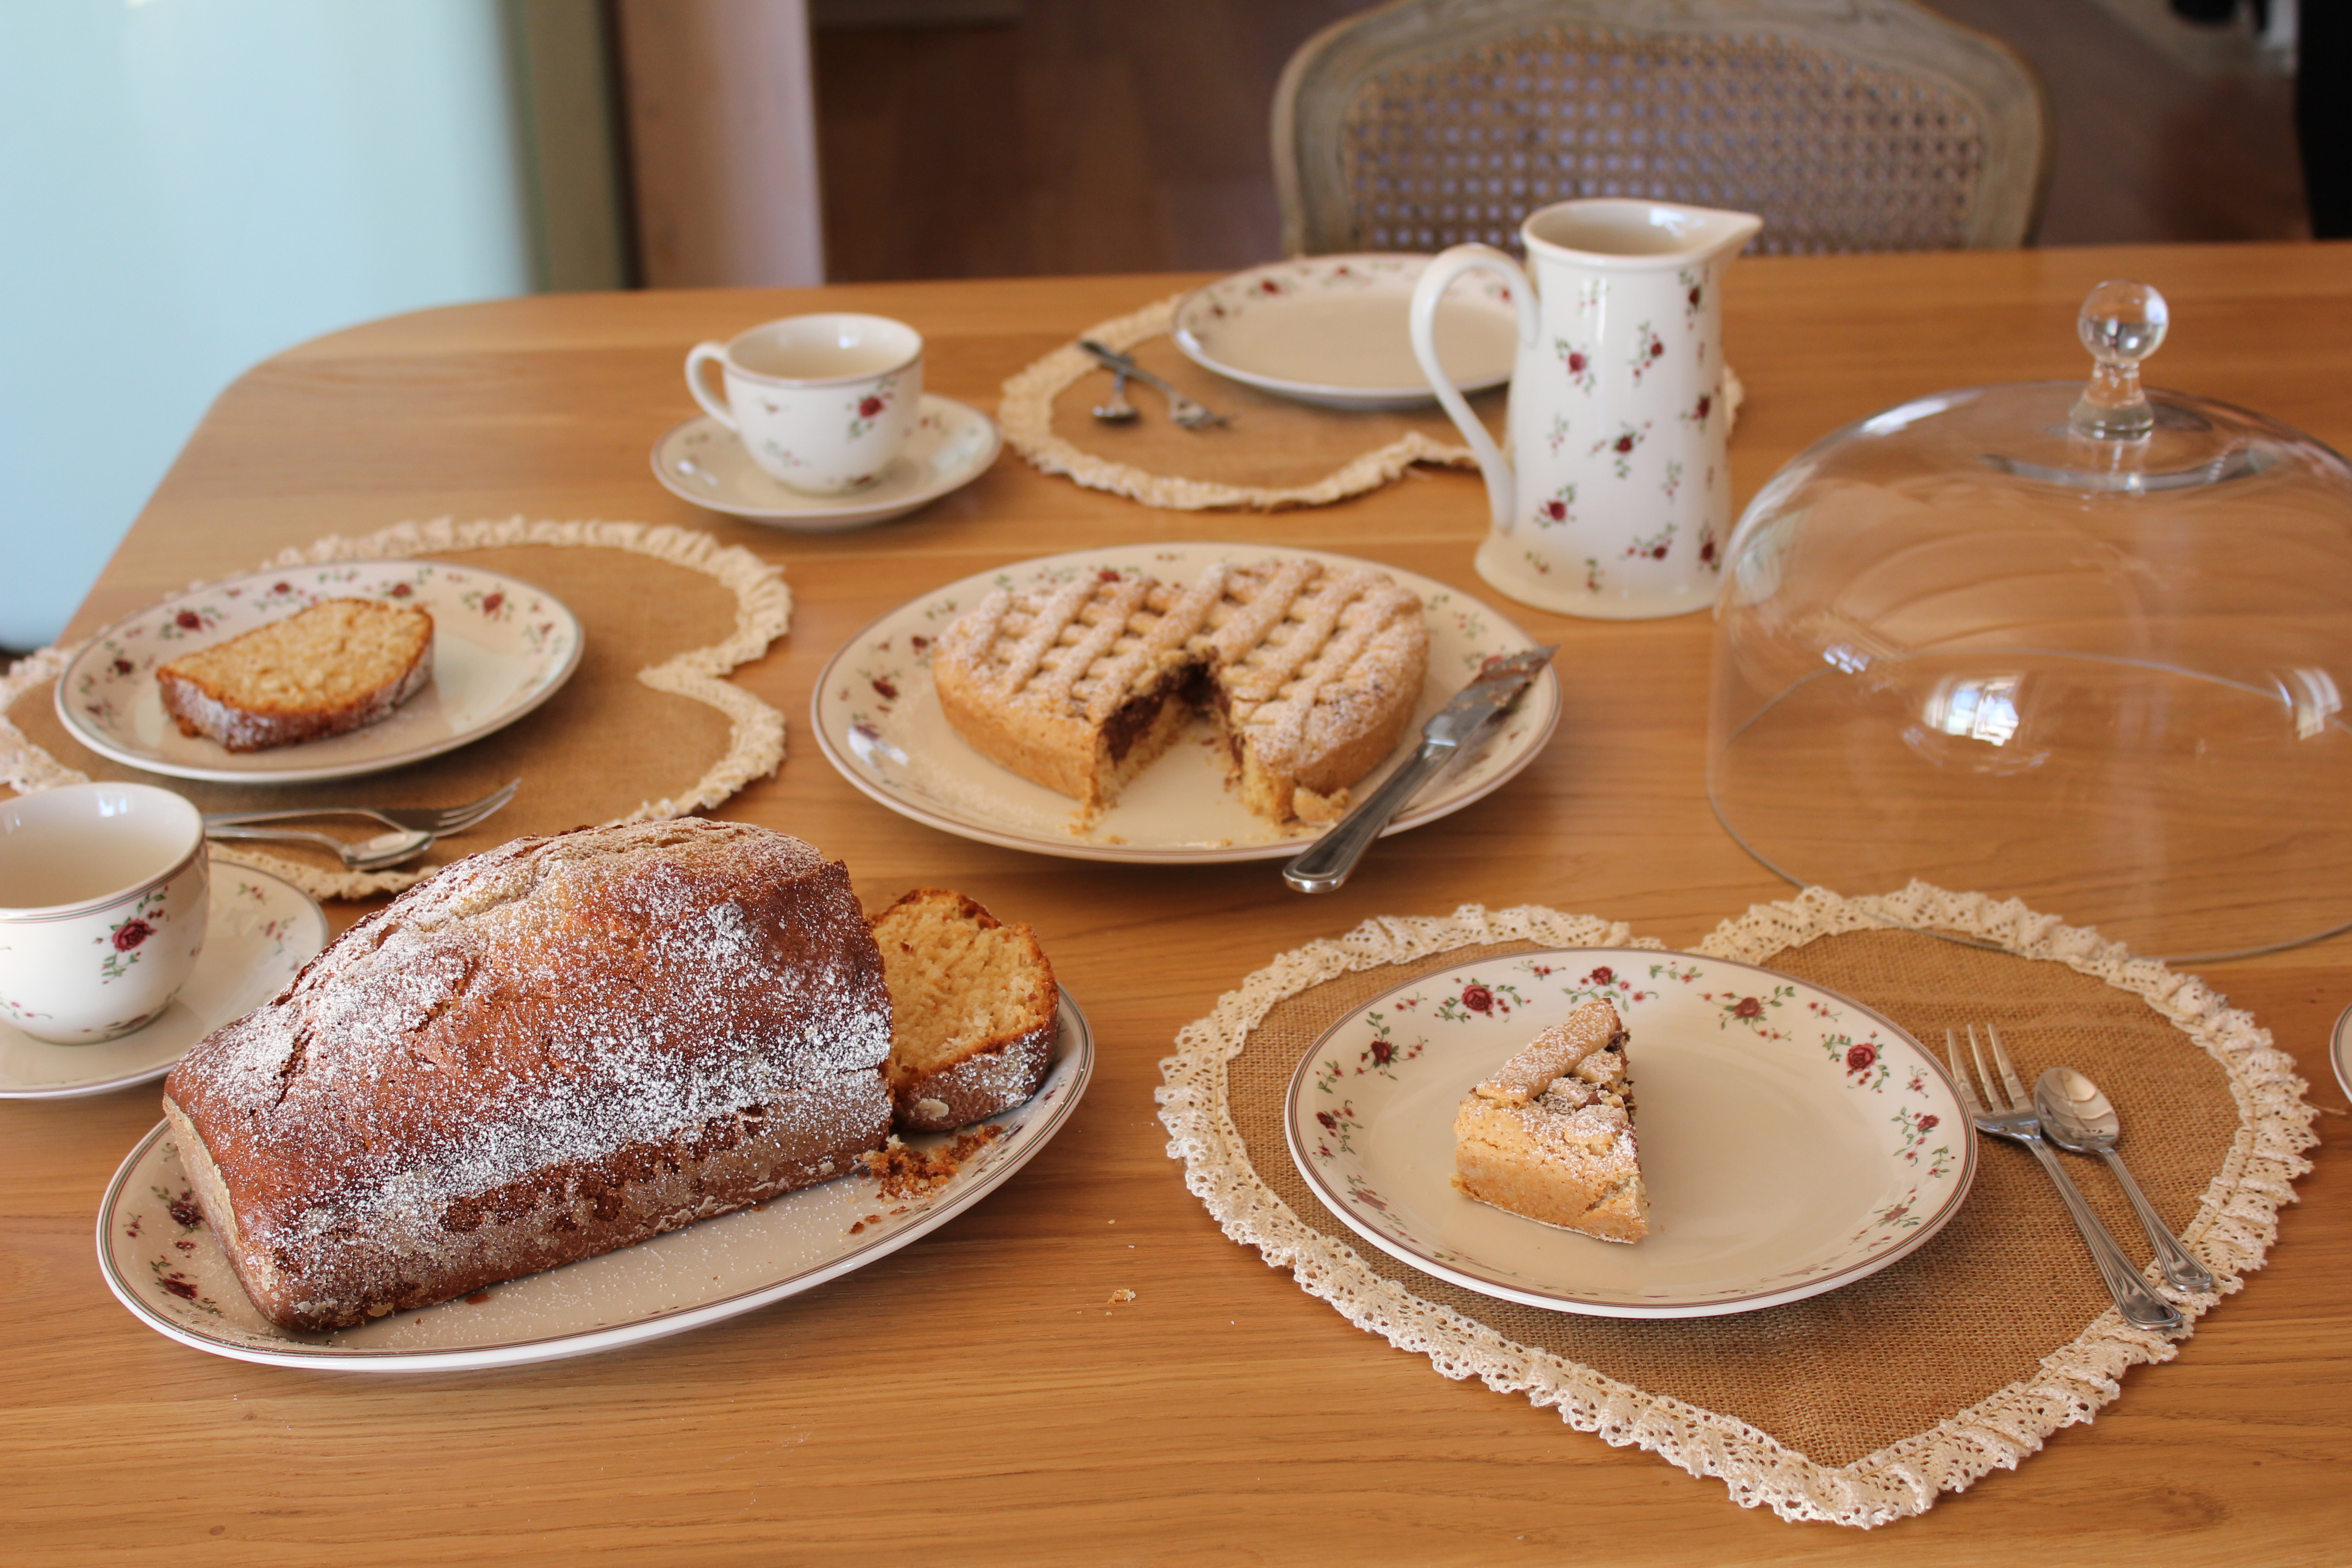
<point x="1618" y="233"/>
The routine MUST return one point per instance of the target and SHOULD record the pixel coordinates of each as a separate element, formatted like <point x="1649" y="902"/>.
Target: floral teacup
<point x="102" y="895"/>
<point x="821" y="403"/>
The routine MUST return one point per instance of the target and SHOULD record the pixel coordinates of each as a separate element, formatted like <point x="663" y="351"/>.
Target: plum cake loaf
<point x="335" y="666"/>
<point x="1550" y="1135"/>
<point x="974" y="1010"/>
<point x="1311" y="672"/>
<point x="549" y="1050"/>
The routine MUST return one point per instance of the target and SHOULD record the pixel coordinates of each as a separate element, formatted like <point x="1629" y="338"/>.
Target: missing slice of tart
<point x="1550" y="1135"/>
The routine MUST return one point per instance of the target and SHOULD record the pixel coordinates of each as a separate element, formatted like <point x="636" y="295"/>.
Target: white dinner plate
<point x="500" y="647"/>
<point x="879" y="720"/>
<point x="165" y="1264"/>
<point x="702" y="462"/>
<point x="1334" y="330"/>
<point x="1793" y="1141"/>
<point x="259" y="931"/>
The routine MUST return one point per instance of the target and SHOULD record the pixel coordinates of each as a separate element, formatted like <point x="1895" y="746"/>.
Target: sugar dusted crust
<point x="338" y="666"/>
<point x="974" y="1007"/>
<point x="1312" y="672"/>
<point x="544" y="1052"/>
<point x="1550" y="1134"/>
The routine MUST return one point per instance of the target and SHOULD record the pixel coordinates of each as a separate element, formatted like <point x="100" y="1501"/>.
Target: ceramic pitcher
<point x="1612" y="498"/>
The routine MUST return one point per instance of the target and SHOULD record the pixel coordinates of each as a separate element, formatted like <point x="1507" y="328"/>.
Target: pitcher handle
<point x="713" y="403"/>
<point x="1502" y="485"/>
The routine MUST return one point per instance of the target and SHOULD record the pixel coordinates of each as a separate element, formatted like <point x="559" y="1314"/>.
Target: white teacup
<point x="102" y="900"/>
<point x="822" y="402"/>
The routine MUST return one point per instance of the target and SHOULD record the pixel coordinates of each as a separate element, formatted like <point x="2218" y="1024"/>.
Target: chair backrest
<point x="1845" y="124"/>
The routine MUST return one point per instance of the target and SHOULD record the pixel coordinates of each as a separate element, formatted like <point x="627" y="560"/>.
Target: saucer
<point x="1336" y="330"/>
<point x="259" y="934"/>
<point x="702" y="462"/>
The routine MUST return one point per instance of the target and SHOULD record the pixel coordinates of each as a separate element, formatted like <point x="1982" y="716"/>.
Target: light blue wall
<point x="188" y="186"/>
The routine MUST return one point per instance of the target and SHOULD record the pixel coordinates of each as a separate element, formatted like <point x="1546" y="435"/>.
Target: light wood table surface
<point x="972" y="1397"/>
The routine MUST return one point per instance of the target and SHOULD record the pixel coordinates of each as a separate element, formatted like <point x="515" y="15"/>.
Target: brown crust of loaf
<point x="993" y="1074"/>
<point x="545" y="1052"/>
<point x="561" y="1215"/>
<point x="200" y="707"/>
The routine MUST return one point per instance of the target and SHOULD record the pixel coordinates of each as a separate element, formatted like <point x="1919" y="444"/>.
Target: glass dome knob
<point x="2122" y="323"/>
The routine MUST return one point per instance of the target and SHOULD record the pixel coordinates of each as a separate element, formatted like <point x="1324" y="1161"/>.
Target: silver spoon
<point x="2078" y="1118"/>
<point x="1116" y="409"/>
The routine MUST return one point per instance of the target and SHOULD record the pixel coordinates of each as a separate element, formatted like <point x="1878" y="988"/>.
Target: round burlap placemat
<point x="1276" y="453"/>
<point x="646" y="727"/>
<point x="1865" y="1404"/>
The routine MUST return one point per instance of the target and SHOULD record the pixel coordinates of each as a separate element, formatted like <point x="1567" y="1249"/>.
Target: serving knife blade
<point x="1449" y="735"/>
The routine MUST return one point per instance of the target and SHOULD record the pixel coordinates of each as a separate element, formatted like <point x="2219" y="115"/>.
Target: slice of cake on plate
<point x="333" y="668"/>
<point x="974" y="1012"/>
<point x="1550" y="1134"/>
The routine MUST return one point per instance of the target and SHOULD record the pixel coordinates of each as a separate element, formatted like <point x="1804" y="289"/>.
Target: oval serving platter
<point x="1793" y="1139"/>
<point x="165" y="1264"/>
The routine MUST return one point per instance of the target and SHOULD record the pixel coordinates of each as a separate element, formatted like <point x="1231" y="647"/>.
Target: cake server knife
<point x="1450" y="734"/>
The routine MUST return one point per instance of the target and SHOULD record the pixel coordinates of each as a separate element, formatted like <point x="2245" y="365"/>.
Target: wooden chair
<point x="1845" y="124"/>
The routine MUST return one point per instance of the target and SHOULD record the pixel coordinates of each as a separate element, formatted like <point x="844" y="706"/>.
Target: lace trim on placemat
<point x="2236" y="1221"/>
<point x="763" y="612"/>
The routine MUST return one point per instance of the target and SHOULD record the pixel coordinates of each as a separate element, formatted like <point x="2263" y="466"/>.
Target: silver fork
<point x="1180" y="408"/>
<point x="406" y="819"/>
<point x="414" y="828"/>
<point x="2016" y="1120"/>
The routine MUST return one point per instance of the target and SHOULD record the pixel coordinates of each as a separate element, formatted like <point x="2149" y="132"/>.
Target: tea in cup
<point x="821" y="403"/>
<point x="103" y="890"/>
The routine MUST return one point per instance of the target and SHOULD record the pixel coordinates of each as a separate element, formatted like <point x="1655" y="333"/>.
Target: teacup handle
<point x="713" y="403"/>
<point x="1502" y="485"/>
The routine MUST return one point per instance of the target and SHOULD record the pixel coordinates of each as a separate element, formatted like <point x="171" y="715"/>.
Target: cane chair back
<point x="1845" y="124"/>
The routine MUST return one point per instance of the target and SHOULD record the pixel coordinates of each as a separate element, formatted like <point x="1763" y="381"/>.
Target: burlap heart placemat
<point x="646" y="727"/>
<point x="1276" y="453"/>
<point x="1865" y="1404"/>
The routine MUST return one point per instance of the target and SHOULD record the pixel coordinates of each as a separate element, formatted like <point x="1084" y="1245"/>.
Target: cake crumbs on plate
<point x="901" y="1172"/>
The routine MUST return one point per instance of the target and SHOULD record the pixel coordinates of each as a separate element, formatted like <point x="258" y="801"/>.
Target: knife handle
<point x="1333" y="856"/>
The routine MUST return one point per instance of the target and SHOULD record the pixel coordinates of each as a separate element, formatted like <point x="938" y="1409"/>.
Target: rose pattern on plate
<point x="1752" y="1011"/>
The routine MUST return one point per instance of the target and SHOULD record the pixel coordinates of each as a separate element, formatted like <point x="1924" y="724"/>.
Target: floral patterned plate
<point x="1333" y="330"/>
<point x="165" y="1264"/>
<point x="1793" y="1139"/>
<point x="500" y="647"/>
<point x="704" y="462"/>
<point x="259" y="931"/>
<point x="879" y="721"/>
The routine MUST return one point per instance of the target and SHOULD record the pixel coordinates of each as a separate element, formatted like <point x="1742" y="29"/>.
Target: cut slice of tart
<point x="1550" y="1134"/>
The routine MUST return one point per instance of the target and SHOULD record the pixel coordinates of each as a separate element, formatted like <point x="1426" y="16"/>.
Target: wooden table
<point x="971" y="1397"/>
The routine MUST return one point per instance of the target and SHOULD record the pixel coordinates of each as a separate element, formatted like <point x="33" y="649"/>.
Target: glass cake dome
<point x="2074" y="643"/>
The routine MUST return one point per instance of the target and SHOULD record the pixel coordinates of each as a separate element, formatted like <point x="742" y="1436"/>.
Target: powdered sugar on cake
<point x="490" y="1028"/>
